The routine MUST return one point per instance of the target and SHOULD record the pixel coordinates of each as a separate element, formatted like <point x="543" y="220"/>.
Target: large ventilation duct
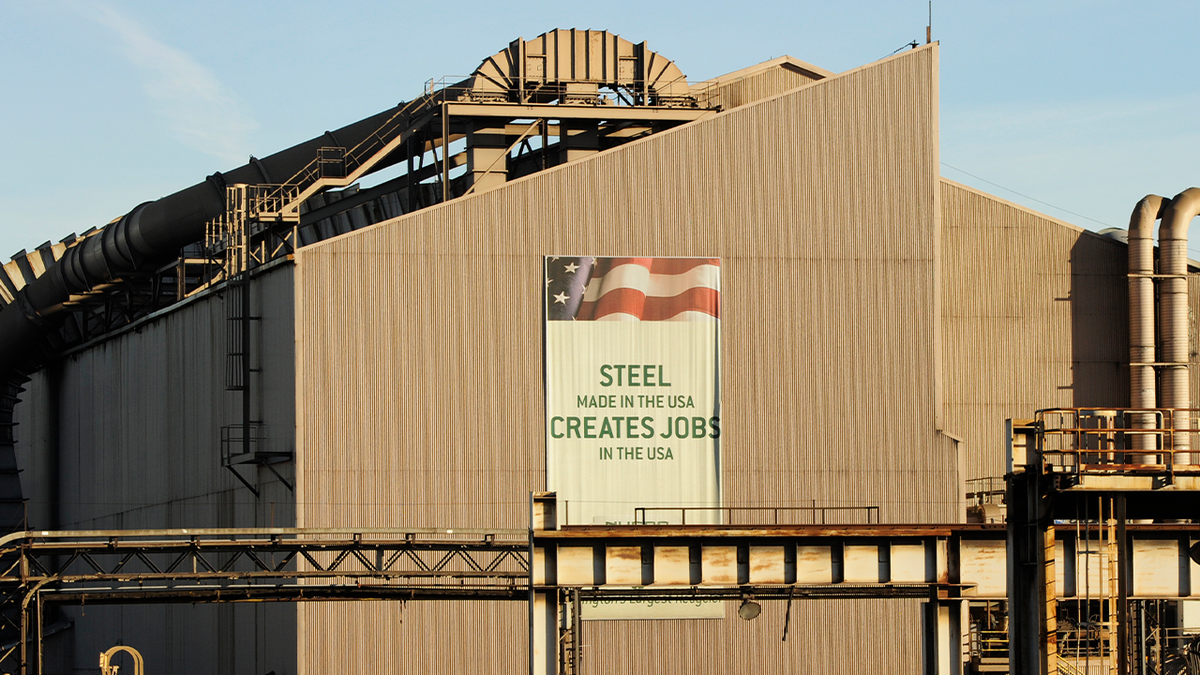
<point x="150" y="234"/>
<point x="567" y="66"/>
<point x="1143" y="392"/>
<point x="1173" y="314"/>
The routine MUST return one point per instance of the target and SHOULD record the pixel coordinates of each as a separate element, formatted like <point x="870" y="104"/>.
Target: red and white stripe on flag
<point x="653" y="289"/>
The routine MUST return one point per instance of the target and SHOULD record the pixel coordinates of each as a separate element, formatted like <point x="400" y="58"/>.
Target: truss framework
<point x="232" y="565"/>
<point x="943" y="565"/>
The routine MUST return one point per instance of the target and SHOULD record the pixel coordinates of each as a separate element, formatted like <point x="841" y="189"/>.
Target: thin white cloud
<point x="201" y="112"/>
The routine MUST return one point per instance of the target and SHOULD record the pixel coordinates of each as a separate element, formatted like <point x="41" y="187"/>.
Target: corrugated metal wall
<point x="734" y="92"/>
<point x="138" y="422"/>
<point x="1034" y="316"/>
<point x="419" y="345"/>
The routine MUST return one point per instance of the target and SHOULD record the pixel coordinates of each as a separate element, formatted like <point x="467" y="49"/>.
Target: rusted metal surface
<point x="970" y="559"/>
<point x="1114" y="441"/>
<point x="249" y="565"/>
<point x="773" y="515"/>
<point x="679" y="532"/>
<point x="206" y="555"/>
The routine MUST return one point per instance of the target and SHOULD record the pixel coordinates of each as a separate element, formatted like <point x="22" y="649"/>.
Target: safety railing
<point x="986" y="490"/>
<point x="350" y="159"/>
<point x="339" y="162"/>
<point x="1180" y="649"/>
<point x="1116" y="440"/>
<point x="989" y="644"/>
<point x="709" y="95"/>
<point x="1066" y="666"/>
<point x="761" y="515"/>
<point x="1083" y="639"/>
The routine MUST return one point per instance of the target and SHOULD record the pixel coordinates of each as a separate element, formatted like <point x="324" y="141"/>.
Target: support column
<point x="1123" y="569"/>
<point x="486" y="149"/>
<point x="1032" y="624"/>
<point x="543" y="590"/>
<point x="578" y="139"/>
<point x="941" y="637"/>
<point x="569" y="632"/>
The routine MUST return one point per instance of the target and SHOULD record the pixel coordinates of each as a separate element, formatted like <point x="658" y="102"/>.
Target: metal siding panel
<point x="420" y="362"/>
<point x="140" y="416"/>
<point x="1156" y="567"/>
<point x="34" y="435"/>
<point x="984" y="563"/>
<point x="1034" y="315"/>
<point x="758" y="86"/>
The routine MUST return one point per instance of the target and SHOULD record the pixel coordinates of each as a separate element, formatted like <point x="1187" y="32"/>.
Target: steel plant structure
<point x="264" y="386"/>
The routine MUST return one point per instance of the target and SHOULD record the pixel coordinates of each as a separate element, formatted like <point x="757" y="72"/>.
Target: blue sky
<point x="1077" y="109"/>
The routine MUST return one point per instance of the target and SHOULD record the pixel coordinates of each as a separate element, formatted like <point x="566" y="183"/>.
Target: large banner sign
<point x="633" y="416"/>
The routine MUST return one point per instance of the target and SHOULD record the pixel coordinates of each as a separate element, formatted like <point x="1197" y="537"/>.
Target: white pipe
<point x="1173" y="314"/>
<point x="1142" y="390"/>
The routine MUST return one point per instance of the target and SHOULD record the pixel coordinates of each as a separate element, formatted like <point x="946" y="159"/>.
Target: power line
<point x="910" y="45"/>
<point x="1019" y="194"/>
<point x="1080" y="215"/>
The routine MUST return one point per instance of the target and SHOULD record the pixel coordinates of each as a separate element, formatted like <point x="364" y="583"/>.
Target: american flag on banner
<point x="632" y="289"/>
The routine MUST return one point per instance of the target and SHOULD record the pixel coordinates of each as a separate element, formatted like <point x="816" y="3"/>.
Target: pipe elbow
<point x="1179" y="213"/>
<point x="1148" y="210"/>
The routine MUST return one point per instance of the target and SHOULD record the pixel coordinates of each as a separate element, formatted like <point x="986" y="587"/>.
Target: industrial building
<point x="281" y="347"/>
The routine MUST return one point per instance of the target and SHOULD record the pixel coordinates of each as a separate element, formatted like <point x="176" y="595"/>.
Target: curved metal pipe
<point x="1143" y="392"/>
<point x="148" y="236"/>
<point x="145" y="238"/>
<point x="1173" y="314"/>
<point x="139" y="664"/>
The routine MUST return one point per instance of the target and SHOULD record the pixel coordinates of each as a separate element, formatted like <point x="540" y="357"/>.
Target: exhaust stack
<point x="1143" y="391"/>
<point x="1173" y="314"/>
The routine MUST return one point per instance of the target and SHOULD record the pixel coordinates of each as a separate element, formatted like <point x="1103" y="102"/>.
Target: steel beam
<point x="942" y="637"/>
<point x="944" y="565"/>
<point x="1033" y="627"/>
<point x="572" y="112"/>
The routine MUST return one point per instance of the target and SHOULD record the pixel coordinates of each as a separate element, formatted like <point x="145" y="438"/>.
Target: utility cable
<point x="1019" y="194"/>
<point x="910" y="45"/>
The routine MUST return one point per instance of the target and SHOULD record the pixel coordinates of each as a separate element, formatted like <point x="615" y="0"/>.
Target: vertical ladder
<point x="239" y="442"/>
<point x="1112" y="558"/>
<point x="569" y="646"/>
